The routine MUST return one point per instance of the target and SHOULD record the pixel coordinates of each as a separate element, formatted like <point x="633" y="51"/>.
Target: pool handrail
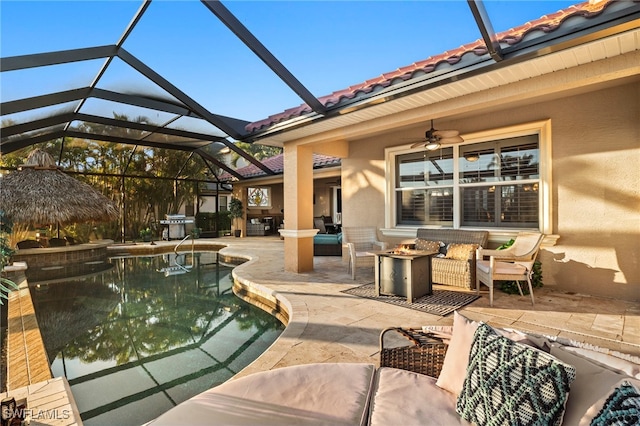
<point x="175" y="249"/>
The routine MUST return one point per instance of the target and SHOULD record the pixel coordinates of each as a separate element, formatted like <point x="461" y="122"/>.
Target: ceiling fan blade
<point x="419" y="144"/>
<point x="445" y="133"/>
<point x="455" y="139"/>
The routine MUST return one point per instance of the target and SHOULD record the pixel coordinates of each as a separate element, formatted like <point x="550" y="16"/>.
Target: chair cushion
<point x="401" y="397"/>
<point x="309" y="394"/>
<point x="501" y="268"/>
<point x="460" y="251"/>
<point x="511" y="383"/>
<point x="327" y="239"/>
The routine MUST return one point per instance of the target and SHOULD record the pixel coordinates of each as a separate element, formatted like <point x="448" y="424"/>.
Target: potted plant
<point x="145" y="234"/>
<point x="236" y="211"/>
<point x="195" y="233"/>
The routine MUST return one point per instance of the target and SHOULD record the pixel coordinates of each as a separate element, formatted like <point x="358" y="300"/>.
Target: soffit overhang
<point x="441" y="93"/>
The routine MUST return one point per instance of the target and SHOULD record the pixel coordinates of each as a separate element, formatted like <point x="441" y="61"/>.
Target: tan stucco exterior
<point x="592" y="116"/>
<point x="595" y="186"/>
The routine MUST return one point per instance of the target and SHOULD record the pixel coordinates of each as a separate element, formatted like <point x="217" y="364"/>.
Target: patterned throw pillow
<point x="510" y="383"/>
<point x="621" y="408"/>
<point x="426" y="245"/>
<point x="460" y="251"/>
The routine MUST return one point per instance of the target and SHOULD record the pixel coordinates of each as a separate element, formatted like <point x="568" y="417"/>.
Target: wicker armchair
<point x="457" y="273"/>
<point x="361" y="242"/>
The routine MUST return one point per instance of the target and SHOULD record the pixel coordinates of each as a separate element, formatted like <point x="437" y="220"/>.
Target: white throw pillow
<point x="454" y="367"/>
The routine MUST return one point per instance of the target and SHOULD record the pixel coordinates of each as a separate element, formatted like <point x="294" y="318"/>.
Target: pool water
<point x="148" y="333"/>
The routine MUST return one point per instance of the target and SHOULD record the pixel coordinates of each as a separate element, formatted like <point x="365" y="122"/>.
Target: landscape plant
<point x="6" y="285"/>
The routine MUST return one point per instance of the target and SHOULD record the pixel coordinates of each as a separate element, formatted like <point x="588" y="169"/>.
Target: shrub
<point x="6" y="285"/>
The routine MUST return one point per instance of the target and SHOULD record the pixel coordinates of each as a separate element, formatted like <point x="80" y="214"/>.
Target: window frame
<point x="545" y="207"/>
<point x="266" y="189"/>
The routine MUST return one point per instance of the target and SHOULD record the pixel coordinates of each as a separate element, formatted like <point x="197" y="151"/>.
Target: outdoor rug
<point x="440" y="302"/>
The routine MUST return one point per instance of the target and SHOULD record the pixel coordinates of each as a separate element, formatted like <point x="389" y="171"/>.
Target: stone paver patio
<point x="327" y="325"/>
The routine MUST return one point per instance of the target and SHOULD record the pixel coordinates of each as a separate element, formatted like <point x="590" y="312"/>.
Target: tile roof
<point x="276" y="163"/>
<point x="511" y="37"/>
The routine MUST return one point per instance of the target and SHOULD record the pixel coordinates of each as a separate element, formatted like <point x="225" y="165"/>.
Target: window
<point x="499" y="188"/>
<point x="424" y="188"/>
<point x="491" y="181"/>
<point x="259" y="197"/>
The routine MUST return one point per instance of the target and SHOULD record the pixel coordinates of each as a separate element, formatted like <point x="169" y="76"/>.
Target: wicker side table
<point x="424" y="355"/>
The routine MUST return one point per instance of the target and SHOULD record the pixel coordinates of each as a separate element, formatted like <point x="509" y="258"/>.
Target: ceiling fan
<point x="435" y="138"/>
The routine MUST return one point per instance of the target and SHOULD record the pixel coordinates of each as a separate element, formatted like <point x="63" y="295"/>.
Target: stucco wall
<point x="596" y="186"/>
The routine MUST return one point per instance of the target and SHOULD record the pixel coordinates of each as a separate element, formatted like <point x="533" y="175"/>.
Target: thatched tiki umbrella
<point x="39" y="193"/>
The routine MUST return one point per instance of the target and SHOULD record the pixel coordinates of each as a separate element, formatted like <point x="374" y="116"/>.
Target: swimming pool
<point x="148" y="333"/>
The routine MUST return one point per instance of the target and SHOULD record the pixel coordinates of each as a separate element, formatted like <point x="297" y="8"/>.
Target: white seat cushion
<point x="502" y="268"/>
<point x="309" y="394"/>
<point x="401" y="397"/>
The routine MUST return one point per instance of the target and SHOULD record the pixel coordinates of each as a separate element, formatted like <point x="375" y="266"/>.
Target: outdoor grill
<point x="175" y="225"/>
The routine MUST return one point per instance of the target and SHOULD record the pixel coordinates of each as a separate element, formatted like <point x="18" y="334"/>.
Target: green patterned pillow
<point x="510" y="383"/>
<point x="621" y="408"/>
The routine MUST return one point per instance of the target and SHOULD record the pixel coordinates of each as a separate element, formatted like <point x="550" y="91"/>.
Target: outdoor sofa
<point x="327" y="244"/>
<point x="466" y="374"/>
<point x="456" y="264"/>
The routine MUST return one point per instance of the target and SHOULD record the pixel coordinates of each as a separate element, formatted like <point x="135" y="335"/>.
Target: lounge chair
<point x="29" y="244"/>
<point x="57" y="242"/>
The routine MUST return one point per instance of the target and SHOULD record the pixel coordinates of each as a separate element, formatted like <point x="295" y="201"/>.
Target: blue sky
<point x="327" y="45"/>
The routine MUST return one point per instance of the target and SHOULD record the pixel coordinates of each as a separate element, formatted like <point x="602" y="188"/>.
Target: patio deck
<point x="326" y="325"/>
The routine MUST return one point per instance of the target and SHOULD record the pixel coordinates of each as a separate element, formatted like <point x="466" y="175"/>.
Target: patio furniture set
<point x="442" y="256"/>
<point x="466" y="374"/>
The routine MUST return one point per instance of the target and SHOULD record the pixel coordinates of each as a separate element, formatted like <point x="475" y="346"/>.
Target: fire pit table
<point x="403" y="272"/>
